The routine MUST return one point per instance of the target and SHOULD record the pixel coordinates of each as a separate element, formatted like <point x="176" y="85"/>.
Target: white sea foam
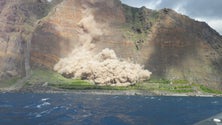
<point x="44" y="99"/>
<point x="38" y="116"/>
<point x="43" y="104"/>
<point x="214" y="102"/>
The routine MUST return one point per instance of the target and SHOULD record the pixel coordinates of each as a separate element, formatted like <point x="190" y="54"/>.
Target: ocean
<point x="88" y="109"/>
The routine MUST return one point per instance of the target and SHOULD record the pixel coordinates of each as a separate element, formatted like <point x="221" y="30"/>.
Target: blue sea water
<point x="86" y="109"/>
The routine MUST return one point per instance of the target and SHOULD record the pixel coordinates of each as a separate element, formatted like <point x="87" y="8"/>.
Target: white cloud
<point x="153" y="4"/>
<point x="214" y="23"/>
<point x="180" y="8"/>
<point x="49" y="0"/>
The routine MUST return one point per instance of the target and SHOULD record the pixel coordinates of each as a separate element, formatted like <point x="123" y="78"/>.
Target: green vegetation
<point x="180" y="82"/>
<point x="179" y="86"/>
<point x="8" y="83"/>
<point x="164" y="81"/>
<point x="56" y="80"/>
<point x="154" y="16"/>
<point x="153" y="85"/>
<point x="140" y="18"/>
<point x="51" y="77"/>
<point x="209" y="90"/>
<point x="138" y="24"/>
<point x="74" y="86"/>
<point x="163" y="85"/>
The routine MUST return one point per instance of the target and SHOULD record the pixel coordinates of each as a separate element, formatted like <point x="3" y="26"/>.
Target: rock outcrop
<point x="38" y="33"/>
<point x="18" y="20"/>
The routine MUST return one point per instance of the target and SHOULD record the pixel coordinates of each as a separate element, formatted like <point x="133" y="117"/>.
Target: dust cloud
<point x="103" y="68"/>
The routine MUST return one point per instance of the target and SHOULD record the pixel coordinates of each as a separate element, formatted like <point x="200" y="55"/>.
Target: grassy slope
<point x="52" y="78"/>
<point x="40" y="76"/>
<point x="8" y="83"/>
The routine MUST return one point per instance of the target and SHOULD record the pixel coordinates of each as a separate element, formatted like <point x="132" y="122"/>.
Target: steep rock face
<point x="62" y="31"/>
<point x="185" y="49"/>
<point x="14" y="26"/>
<point x="173" y="46"/>
<point x="170" y="45"/>
<point x="17" y="23"/>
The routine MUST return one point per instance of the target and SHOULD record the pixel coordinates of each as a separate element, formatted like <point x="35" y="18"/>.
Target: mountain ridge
<point x="170" y="45"/>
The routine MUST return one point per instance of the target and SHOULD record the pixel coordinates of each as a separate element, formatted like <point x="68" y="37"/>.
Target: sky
<point x="209" y="11"/>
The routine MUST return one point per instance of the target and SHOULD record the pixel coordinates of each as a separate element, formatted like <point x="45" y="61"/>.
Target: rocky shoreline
<point x="52" y="90"/>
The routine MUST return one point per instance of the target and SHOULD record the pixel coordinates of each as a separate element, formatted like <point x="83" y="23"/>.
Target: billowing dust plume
<point x="103" y="68"/>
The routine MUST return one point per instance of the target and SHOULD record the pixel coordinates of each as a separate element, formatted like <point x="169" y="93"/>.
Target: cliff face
<point x="185" y="49"/>
<point x="39" y="33"/>
<point x="17" y="23"/>
<point x="61" y="31"/>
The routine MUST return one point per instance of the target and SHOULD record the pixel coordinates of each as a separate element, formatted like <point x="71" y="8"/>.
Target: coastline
<point x="44" y="81"/>
<point x="52" y="90"/>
